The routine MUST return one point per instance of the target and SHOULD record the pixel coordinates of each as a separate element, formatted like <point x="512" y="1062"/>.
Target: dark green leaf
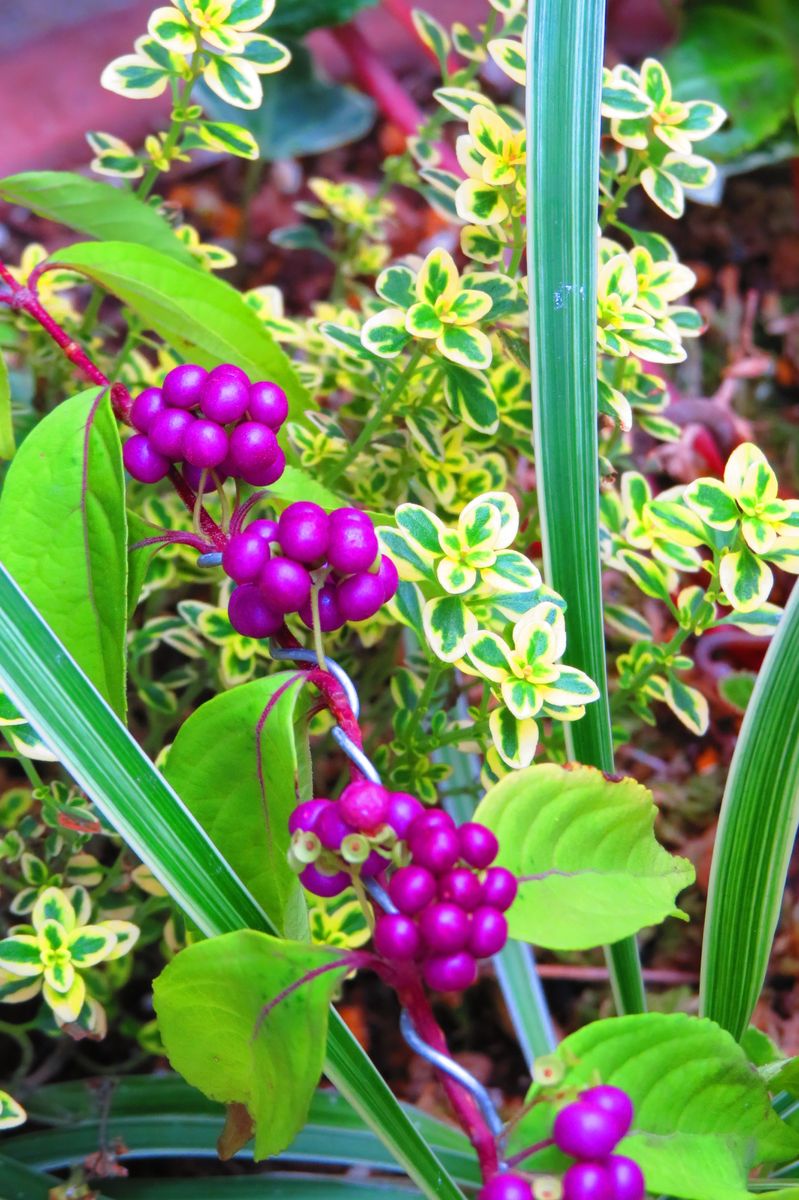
<point x="294" y="18"/>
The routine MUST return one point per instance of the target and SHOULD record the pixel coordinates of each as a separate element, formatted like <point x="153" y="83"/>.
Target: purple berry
<point x="182" y="385"/>
<point x="437" y="848"/>
<point x="626" y="1178"/>
<point x="450" y="973"/>
<point x="303" y="531"/>
<point x="478" y="844"/>
<point x="499" y="888"/>
<point x="285" y="583"/>
<point x="585" y="1131"/>
<point x="230" y="371"/>
<point x="168" y="432"/>
<point x="374" y="864"/>
<point x="488" y="934"/>
<point x="397" y="938"/>
<point x="224" y="398"/>
<point x="250" y="615"/>
<point x="268" y="404"/>
<point x="268" y="474"/>
<point x="364" y="805"/>
<point x="195" y="475"/>
<point x="360" y="596"/>
<point x="506" y="1187"/>
<point x="353" y="542"/>
<point x="244" y="556"/>
<point x="321" y="884"/>
<point x="205" y="445"/>
<point x="445" y="928"/>
<point x="587" y="1181"/>
<point x="330" y="617"/>
<point x="146" y="407"/>
<point x="331" y="828"/>
<point x="433" y="818"/>
<point x="411" y="889"/>
<point x="253" y="449"/>
<point x="388" y="576"/>
<point x="264" y="528"/>
<point x="613" y="1101"/>
<point x="306" y="815"/>
<point x="403" y="810"/>
<point x="462" y="887"/>
<point x="143" y="461"/>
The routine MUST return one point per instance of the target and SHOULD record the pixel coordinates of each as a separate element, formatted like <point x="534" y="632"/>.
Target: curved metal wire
<point x="212" y="559"/>
<point x="298" y="654"/>
<point x="380" y="895"/>
<point x="356" y="755"/>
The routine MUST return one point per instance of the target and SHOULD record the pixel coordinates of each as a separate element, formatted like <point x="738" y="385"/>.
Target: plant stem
<point x="626" y="183"/>
<point x="180" y="94"/>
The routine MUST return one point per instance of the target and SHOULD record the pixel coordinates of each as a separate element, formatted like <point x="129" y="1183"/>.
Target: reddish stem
<point x="402" y="13"/>
<point x="515" y="1159"/>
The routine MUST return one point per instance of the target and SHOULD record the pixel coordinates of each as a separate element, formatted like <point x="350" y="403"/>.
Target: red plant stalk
<point x="402" y="13"/>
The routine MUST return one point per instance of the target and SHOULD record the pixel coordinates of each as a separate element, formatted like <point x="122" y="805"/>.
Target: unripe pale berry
<point x="626" y="1178"/>
<point x="285" y="584"/>
<point x="244" y="556"/>
<point x="506" y="1187"/>
<point x="253" y="448"/>
<point x="306" y="815"/>
<point x="143" y="461"/>
<point x="478" y="844"/>
<point x="267" y="403"/>
<point x="450" y="972"/>
<point x="145" y="408"/>
<point x="364" y="805"/>
<point x="403" y="809"/>
<point x="330" y="617"/>
<point x="205" y="444"/>
<point x="168" y="432"/>
<point x="182" y="385"/>
<point x="613" y="1101"/>
<point x="437" y="848"/>
<point x="411" y="888"/>
<point x="223" y="398"/>
<point x="488" y="934"/>
<point x="462" y="887"/>
<point x="321" y="884"/>
<point x="389" y="577"/>
<point x="303" y="531"/>
<point x="250" y="615"/>
<point x="444" y="927"/>
<point x="397" y="938"/>
<point x="499" y="888"/>
<point x="331" y="828"/>
<point x="353" y="542"/>
<point x="360" y="596"/>
<point x="587" y="1181"/>
<point x="584" y="1131"/>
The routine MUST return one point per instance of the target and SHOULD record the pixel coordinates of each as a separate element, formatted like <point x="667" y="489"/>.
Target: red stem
<point x="400" y="12"/>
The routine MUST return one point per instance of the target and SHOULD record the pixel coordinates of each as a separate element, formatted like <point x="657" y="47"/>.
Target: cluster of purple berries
<point x="275" y="565"/>
<point x="209" y="421"/>
<point x="450" y="900"/>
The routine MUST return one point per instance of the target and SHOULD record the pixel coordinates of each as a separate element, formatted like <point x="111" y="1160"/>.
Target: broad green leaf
<point x="470" y="398"/>
<point x="7" y="443"/>
<point x="63" y="534"/>
<point x="584" y="850"/>
<point x="301" y="16"/>
<point x="297" y="484"/>
<point x="198" y="313"/>
<point x="212" y="1003"/>
<point x="447" y="626"/>
<point x="737" y="687"/>
<point x="97" y="209"/>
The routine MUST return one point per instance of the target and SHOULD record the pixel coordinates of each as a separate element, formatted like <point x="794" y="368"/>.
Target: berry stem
<point x="318" y="644"/>
<point x="515" y="1159"/>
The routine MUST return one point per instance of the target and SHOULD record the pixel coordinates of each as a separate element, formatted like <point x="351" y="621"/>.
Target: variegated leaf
<point x="510" y="57"/>
<point x="664" y="190"/>
<point x="422" y="320"/>
<point x="134" y="76"/>
<point x="511" y="572"/>
<point x="448" y="624"/>
<point x="711" y="501"/>
<point x="234" y="81"/>
<point x="455" y="577"/>
<point x="433" y="35"/>
<point x="21" y="956"/>
<point x="396" y="285"/>
<point x="438" y="278"/>
<point x="384" y="334"/>
<point x="745" y="579"/>
<point x="171" y="29"/>
<point x="11" y="1113"/>
<point x="467" y="347"/>
<point x="515" y="741"/>
<point x="489" y="656"/>
<point x="688" y="705"/>
<point x="458" y="101"/>
<point x="409" y="559"/>
<point x="264" y="54"/>
<point x="91" y="944"/>
<point x="422" y="527"/>
<point x="649" y="576"/>
<point x="227" y="136"/>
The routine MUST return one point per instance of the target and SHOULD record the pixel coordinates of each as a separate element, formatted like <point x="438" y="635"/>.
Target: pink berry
<point x="587" y="1181"/>
<point x="267" y="403"/>
<point x="437" y="848"/>
<point x="306" y="815"/>
<point x="253" y="449"/>
<point x="264" y="476"/>
<point x="168" y="432"/>
<point x="462" y="887"/>
<point x="303" y="530"/>
<point x="364" y="805"/>
<point x="434" y="818"/>
<point x="478" y="844"/>
<point x="230" y="371"/>
<point x="331" y="828"/>
<point x="403" y="810"/>
<point x="488" y="934"/>
<point x="360" y="596"/>
<point x="250" y="615"/>
<point x="626" y="1178"/>
<point x="585" y="1131"/>
<point x="445" y="928"/>
<point x="506" y="1187"/>
<point x="353" y="542"/>
<point x="389" y="577"/>
<point x="195" y="475"/>
<point x="143" y="461"/>
<point x="613" y="1101"/>
<point x="285" y="583"/>
<point x="146" y="407"/>
<point x="205" y="445"/>
<point x="224" y="398"/>
<point x="411" y="888"/>
<point x="330" y="617"/>
<point x="182" y="385"/>
<point x="499" y="888"/>
<point x="397" y="938"/>
<point x="244" y="556"/>
<point x="451" y="972"/>
<point x="322" y="884"/>
<point x="264" y="528"/>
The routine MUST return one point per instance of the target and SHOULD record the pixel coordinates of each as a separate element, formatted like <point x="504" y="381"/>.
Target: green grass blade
<point x="757" y="828"/>
<point x="98" y="752"/>
<point x="563" y="121"/>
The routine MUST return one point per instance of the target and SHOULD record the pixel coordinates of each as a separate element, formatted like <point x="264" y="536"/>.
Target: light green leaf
<point x="447" y="625"/>
<point x="7" y="444"/>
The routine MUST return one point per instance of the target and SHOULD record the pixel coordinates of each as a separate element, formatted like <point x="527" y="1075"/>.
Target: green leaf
<point x="7" y="443"/>
<point x="111" y="768"/>
<point x="470" y="398"/>
<point x="736" y="688"/>
<point x="240" y="764"/>
<point x="466" y="346"/>
<point x="297" y="484"/>
<point x="384" y="333"/>
<point x="299" y="17"/>
<point x="433" y="35"/>
<point x="422" y="527"/>
<point x="63" y="533"/>
<point x="447" y="627"/>
<point x="94" y="208"/>
<point x="584" y="849"/>
<point x="649" y="576"/>
<point x="395" y="285"/>
<point x="230" y="1031"/>
<point x="711" y="501"/>
<point x="204" y="315"/>
<point x="689" y="705"/>
<point x="746" y="580"/>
